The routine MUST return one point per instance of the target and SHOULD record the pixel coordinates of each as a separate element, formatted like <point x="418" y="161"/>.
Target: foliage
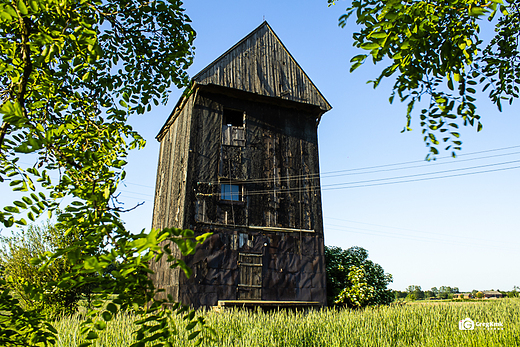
<point x="435" y="50"/>
<point x="419" y="324"/>
<point x="414" y="292"/>
<point x="429" y="294"/>
<point x="446" y="292"/>
<point x="359" y="293"/>
<point x="21" y="327"/>
<point x="515" y="293"/>
<point x="435" y="291"/>
<point x="15" y="256"/>
<point x="399" y="294"/>
<point x="353" y="280"/>
<point x="72" y="72"/>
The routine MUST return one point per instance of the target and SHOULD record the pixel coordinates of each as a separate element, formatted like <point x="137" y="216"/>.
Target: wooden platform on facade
<point x="267" y="304"/>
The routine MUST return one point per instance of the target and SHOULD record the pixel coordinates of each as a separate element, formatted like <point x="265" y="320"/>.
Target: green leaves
<point x="434" y="44"/>
<point x="65" y="110"/>
<point x="7" y="13"/>
<point x="353" y="280"/>
<point x="477" y="11"/>
<point x="369" y="46"/>
<point x="22" y="8"/>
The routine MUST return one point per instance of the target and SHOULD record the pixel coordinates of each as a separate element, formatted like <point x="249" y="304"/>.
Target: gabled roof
<point x="261" y="64"/>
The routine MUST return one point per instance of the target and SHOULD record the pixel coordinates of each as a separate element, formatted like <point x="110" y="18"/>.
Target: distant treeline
<point x="415" y="292"/>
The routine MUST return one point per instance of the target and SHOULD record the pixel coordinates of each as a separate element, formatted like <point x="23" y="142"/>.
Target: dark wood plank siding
<point x="277" y="168"/>
<point x="266" y="68"/>
<point x="267" y="240"/>
<point x="170" y="192"/>
<point x="172" y="171"/>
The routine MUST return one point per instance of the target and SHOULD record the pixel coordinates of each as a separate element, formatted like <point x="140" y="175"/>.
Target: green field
<point x="427" y="324"/>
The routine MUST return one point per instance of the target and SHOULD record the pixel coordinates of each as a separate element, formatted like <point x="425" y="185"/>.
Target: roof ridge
<point x="262" y="76"/>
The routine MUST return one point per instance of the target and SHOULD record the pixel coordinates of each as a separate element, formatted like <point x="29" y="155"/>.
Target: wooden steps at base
<point x="267" y="304"/>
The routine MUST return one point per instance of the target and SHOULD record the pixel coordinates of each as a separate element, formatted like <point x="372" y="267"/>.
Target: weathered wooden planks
<point x="261" y="64"/>
<point x="248" y="127"/>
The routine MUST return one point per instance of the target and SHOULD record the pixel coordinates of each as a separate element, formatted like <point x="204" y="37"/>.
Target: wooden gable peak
<point x="261" y="64"/>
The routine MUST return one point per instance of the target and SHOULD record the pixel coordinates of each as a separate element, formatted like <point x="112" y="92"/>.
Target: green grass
<point x="433" y="324"/>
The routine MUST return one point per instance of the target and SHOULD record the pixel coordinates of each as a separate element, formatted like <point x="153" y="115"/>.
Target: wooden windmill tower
<point x="239" y="158"/>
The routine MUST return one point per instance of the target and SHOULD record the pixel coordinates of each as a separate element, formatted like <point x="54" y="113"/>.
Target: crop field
<point x="495" y="323"/>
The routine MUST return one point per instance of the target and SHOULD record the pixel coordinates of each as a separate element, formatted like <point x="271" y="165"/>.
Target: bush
<point x="353" y="280"/>
<point x="25" y="279"/>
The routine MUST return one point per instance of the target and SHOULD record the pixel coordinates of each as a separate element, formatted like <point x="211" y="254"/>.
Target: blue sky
<point x="461" y="231"/>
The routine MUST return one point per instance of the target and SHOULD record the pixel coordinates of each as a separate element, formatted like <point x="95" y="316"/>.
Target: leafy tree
<point x="72" y="73"/>
<point x="515" y="293"/>
<point x="436" y="53"/>
<point x="399" y="294"/>
<point x="411" y="297"/>
<point x="435" y="291"/>
<point x="355" y="281"/>
<point x="414" y="292"/>
<point x="15" y="258"/>
<point x="446" y="292"/>
<point x="20" y="327"/>
<point x="429" y="294"/>
<point x="479" y="295"/>
<point x="359" y="293"/>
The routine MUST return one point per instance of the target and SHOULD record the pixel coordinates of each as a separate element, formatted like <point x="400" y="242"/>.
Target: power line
<point x="346" y="172"/>
<point x="427" y="178"/>
<point x="424" y="174"/>
<point x="374" y="182"/>
<point x="422" y="161"/>
<point x="384" y="181"/>
<point x="131" y="192"/>
<point x="487" y="240"/>
<point x="414" y="238"/>
<point x="141" y="185"/>
<point x="417" y="166"/>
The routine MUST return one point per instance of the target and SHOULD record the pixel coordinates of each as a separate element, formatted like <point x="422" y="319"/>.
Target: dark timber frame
<point x="255" y="185"/>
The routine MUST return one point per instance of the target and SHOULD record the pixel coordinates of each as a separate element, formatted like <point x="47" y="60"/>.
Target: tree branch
<point x="26" y="58"/>
<point x="24" y="24"/>
<point x="127" y="210"/>
<point x="3" y="131"/>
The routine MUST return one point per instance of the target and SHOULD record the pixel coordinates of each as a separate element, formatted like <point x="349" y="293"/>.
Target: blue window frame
<point x="230" y="192"/>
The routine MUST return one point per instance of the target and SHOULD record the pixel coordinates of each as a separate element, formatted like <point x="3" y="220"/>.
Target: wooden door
<point x="250" y="276"/>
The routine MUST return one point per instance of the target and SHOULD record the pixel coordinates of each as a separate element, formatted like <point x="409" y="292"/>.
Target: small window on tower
<point x="230" y="192"/>
<point x="233" y="117"/>
<point x="233" y="130"/>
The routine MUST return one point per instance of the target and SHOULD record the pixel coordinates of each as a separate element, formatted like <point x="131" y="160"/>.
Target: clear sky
<point x="459" y="231"/>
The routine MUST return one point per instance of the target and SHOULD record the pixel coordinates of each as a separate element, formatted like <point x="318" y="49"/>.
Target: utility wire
<point x="366" y="183"/>
<point x="423" y="174"/>
<point x="487" y="240"/>
<point x="416" y="166"/>
<point x="349" y="171"/>
<point x="384" y="168"/>
<point x="383" y="181"/>
<point x="416" y="238"/>
<point x="422" y="161"/>
<point x="425" y="179"/>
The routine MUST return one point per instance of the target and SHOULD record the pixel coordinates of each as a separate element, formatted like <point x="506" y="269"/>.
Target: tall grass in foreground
<point x="411" y="325"/>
